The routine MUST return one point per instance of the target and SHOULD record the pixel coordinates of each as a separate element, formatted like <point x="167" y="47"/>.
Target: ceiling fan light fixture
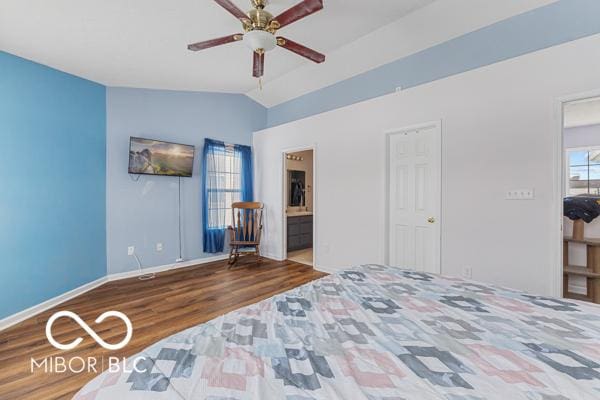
<point x="258" y="39"/>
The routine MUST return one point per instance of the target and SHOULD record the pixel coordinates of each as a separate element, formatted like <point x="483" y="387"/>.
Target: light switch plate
<point x="520" y="194"/>
<point x="130" y="250"/>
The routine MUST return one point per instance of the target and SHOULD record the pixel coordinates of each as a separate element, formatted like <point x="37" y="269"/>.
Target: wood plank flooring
<point x="172" y="302"/>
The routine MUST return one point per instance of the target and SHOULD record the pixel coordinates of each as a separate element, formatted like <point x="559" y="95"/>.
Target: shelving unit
<point x="591" y="271"/>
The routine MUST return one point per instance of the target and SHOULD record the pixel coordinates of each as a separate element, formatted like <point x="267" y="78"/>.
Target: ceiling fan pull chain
<point x="260" y="84"/>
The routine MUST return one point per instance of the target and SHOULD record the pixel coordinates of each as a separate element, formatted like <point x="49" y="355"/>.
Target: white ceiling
<point x="143" y="43"/>
<point x="582" y="113"/>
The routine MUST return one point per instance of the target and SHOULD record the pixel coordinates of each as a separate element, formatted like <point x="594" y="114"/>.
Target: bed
<point x="376" y="333"/>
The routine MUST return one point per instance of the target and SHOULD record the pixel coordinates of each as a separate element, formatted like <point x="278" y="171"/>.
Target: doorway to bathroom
<point x="299" y="201"/>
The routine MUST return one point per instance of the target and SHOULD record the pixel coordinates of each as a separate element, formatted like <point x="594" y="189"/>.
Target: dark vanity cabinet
<point x="299" y="232"/>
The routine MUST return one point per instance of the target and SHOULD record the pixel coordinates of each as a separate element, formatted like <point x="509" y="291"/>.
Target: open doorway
<point x="581" y="199"/>
<point x="299" y="206"/>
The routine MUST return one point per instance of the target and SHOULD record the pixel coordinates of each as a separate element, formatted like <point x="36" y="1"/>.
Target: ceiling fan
<point x="260" y="29"/>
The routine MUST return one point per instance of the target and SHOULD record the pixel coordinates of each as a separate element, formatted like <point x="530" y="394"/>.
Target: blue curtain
<point x="245" y="154"/>
<point x="221" y="164"/>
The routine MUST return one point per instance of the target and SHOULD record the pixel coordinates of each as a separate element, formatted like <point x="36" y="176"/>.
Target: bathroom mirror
<point x="296" y="188"/>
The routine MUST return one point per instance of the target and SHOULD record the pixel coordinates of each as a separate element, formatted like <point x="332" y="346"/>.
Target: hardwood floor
<point x="172" y="302"/>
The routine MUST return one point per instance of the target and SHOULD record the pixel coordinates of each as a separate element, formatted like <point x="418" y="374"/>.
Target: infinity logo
<point x="89" y="330"/>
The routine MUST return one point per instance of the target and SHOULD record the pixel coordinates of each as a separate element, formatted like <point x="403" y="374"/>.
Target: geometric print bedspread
<point x="377" y="333"/>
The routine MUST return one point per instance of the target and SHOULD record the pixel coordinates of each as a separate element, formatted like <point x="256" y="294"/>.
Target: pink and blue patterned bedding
<point x="377" y="333"/>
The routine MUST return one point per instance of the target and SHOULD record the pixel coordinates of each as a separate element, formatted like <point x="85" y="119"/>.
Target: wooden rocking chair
<point x="246" y="229"/>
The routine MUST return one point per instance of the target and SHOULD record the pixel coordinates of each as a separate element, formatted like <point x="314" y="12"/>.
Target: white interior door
<point x="415" y="198"/>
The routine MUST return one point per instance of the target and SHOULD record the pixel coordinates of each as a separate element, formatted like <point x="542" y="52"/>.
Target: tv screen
<point x="153" y="157"/>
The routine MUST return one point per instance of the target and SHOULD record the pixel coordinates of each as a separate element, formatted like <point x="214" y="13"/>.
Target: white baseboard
<point x="327" y="270"/>
<point x="167" y="267"/>
<point x="272" y="257"/>
<point x="317" y="268"/>
<point x="35" y="310"/>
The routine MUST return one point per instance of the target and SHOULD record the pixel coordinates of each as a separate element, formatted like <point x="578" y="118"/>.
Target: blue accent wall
<point x="52" y="183"/>
<point x="143" y="213"/>
<point x="547" y="26"/>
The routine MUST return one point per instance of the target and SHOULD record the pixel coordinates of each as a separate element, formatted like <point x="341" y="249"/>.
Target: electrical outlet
<point x="159" y="247"/>
<point x="467" y="272"/>
<point x="520" y="194"/>
<point x="130" y="250"/>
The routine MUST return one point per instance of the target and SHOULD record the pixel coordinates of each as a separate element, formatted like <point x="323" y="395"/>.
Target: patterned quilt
<point x="377" y="333"/>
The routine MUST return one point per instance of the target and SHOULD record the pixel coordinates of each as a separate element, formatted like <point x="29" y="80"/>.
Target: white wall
<point x="499" y="126"/>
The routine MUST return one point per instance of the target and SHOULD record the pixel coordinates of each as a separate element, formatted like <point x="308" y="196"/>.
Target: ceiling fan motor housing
<point x="259" y="18"/>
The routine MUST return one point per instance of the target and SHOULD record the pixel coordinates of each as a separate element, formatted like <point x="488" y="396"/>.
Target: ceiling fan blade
<point x="301" y="50"/>
<point x="232" y="8"/>
<point x="215" y="42"/>
<point x="258" y="68"/>
<point x="299" y="11"/>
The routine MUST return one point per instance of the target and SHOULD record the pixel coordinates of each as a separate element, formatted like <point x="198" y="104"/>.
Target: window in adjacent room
<point x="584" y="171"/>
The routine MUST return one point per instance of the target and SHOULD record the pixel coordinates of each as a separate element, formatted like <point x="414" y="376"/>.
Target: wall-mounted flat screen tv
<point x="154" y="157"/>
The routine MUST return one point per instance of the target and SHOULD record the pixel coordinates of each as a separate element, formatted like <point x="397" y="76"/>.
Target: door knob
<point x="431" y="220"/>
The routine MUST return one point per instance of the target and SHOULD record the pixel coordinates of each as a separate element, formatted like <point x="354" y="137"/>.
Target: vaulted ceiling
<point x="142" y="43"/>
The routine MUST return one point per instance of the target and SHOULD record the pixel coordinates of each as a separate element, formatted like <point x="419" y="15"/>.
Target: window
<point x="584" y="171"/>
<point x="224" y="170"/>
<point x="226" y="178"/>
